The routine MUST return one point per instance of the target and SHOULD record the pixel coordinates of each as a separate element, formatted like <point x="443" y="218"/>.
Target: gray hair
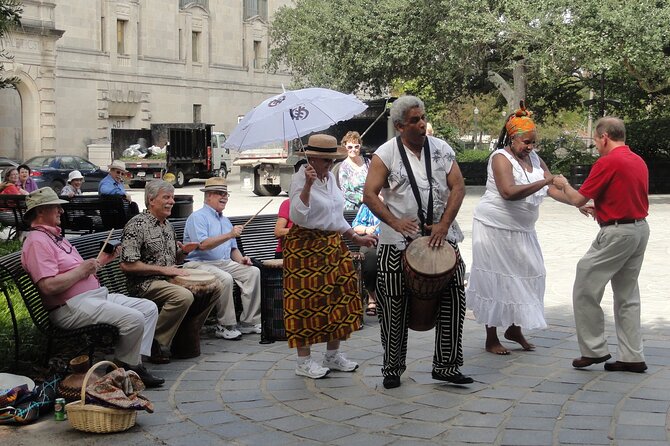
<point x="613" y="126"/>
<point x="153" y="188"/>
<point x="402" y="105"/>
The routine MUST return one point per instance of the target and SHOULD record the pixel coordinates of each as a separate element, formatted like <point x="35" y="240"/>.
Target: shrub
<point x="468" y="156"/>
<point x="649" y="138"/>
<point x="562" y="153"/>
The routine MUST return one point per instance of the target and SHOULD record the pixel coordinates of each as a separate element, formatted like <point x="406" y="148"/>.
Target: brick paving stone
<point x="513" y="437"/>
<point x="580" y="408"/>
<point x="325" y="432"/>
<point x="478" y="420"/>
<point x="441" y="400"/>
<point x="373" y="422"/>
<point x="172" y="430"/>
<point x="529" y="423"/>
<point x="237" y="429"/>
<point x="628" y="432"/>
<point x="641" y="418"/>
<point x="269" y="438"/>
<point x="636" y="404"/>
<point x="199" y="407"/>
<point x="536" y="410"/>
<point x="242" y="405"/>
<point x="584" y="437"/>
<point x="586" y="422"/>
<point x="487" y="405"/>
<point x="431" y="414"/>
<point x="543" y="398"/>
<point x="264" y="413"/>
<point x="238" y="384"/>
<point x="471" y="435"/>
<point x="503" y="393"/>
<point x="201" y="438"/>
<point x="419" y="430"/>
<point x="191" y="397"/>
<point x="308" y="406"/>
<point x="291" y="423"/>
<point x="291" y="395"/>
<point x="236" y="396"/>
<point x="591" y="396"/>
<point x="340" y="413"/>
<point x="362" y="439"/>
<point x="371" y="402"/>
<point x="212" y="418"/>
<point x="398" y="409"/>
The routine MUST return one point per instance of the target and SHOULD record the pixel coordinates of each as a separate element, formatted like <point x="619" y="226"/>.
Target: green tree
<point x="544" y="51"/>
<point x="10" y="16"/>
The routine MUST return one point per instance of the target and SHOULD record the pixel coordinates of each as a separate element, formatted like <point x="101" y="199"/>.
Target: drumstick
<point x="103" y="245"/>
<point x="254" y="216"/>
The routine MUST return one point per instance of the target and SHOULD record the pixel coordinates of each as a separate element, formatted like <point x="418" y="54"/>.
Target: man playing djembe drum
<point x="424" y="169"/>
<point x="149" y="258"/>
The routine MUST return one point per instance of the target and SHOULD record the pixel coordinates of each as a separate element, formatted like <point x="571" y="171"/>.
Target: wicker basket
<point x="98" y="419"/>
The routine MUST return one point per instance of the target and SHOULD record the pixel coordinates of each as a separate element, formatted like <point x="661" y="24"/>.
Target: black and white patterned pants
<point x="392" y="309"/>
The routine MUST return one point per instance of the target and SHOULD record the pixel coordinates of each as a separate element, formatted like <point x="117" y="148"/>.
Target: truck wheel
<point x="57" y="186"/>
<point x="269" y="190"/>
<point x="137" y="184"/>
<point x="180" y="179"/>
<point x="223" y="171"/>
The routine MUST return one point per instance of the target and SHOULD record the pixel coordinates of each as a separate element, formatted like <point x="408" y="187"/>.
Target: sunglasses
<point x="353" y="146"/>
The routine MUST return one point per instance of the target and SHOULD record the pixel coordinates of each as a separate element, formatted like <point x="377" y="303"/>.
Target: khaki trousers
<point x="173" y="301"/>
<point x="615" y="256"/>
<point x="247" y="277"/>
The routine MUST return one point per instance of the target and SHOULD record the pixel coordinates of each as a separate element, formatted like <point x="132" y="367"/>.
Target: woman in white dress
<point x="506" y="284"/>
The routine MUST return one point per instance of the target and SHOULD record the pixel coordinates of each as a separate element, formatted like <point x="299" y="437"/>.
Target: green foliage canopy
<point x="10" y="17"/>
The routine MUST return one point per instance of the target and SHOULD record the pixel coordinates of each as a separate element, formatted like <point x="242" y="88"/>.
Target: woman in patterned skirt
<point x="321" y="299"/>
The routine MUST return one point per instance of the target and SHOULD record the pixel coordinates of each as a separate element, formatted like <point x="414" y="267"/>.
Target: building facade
<point x="88" y="66"/>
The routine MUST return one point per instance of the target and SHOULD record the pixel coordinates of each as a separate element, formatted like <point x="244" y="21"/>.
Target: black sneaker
<point x="458" y="378"/>
<point x="391" y="382"/>
<point x="147" y="378"/>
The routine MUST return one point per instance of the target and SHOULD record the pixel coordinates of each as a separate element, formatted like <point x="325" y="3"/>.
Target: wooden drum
<point x="427" y="272"/>
<point x="272" y="301"/>
<point x="203" y="285"/>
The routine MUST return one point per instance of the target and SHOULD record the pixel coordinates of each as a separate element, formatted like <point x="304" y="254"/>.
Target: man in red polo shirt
<point x="618" y="185"/>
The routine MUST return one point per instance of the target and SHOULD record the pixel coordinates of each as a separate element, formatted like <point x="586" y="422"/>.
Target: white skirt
<point x="507" y="278"/>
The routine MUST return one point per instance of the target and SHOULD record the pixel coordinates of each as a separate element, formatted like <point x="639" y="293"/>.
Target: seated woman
<point x="366" y="223"/>
<point x="25" y="182"/>
<point x="9" y="183"/>
<point x="73" y="187"/>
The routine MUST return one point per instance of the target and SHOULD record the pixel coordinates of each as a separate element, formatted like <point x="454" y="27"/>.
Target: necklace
<point x="518" y="160"/>
<point x="57" y="239"/>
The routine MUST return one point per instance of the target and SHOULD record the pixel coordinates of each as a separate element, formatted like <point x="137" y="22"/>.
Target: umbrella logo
<point x="276" y="102"/>
<point x="299" y="113"/>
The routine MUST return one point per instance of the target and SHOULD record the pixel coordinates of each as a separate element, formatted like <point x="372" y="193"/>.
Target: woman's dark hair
<point x="23" y="166"/>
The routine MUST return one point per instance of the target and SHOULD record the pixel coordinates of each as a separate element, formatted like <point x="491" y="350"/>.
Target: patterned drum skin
<point x="272" y="301"/>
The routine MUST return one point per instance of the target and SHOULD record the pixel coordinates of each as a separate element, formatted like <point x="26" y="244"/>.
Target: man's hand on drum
<point x="368" y="240"/>
<point x="438" y="233"/>
<point x="408" y="227"/>
<point x="188" y="247"/>
<point x="175" y="271"/>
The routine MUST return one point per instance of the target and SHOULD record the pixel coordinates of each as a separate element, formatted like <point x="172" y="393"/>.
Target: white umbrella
<point x="293" y="114"/>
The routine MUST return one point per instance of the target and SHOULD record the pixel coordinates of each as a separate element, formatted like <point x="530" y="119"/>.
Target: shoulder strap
<point x="428" y="220"/>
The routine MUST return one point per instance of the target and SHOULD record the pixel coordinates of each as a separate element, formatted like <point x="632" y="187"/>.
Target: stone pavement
<point x="244" y="393"/>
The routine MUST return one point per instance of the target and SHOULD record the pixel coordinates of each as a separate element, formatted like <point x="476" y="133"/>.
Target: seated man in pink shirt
<point x="71" y="292"/>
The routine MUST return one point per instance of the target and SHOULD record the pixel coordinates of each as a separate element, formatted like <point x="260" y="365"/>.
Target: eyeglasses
<point x="218" y="192"/>
<point x="353" y="146"/>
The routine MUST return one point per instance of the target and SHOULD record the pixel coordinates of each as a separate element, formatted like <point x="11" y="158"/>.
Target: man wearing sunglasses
<point x="218" y="254"/>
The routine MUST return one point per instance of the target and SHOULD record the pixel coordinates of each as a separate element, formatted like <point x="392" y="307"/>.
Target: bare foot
<point x="514" y="334"/>
<point x="498" y="349"/>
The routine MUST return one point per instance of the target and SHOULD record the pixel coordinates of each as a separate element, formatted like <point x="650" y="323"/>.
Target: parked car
<point x="6" y="163"/>
<point x="53" y="171"/>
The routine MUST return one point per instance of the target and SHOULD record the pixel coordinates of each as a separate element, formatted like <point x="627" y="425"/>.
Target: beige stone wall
<point x="81" y="86"/>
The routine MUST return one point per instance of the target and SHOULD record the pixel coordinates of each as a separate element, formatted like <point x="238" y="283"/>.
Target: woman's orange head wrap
<point x="520" y="122"/>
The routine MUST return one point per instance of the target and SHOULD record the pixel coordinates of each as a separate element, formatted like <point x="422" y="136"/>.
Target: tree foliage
<point x="10" y="16"/>
<point x="550" y="52"/>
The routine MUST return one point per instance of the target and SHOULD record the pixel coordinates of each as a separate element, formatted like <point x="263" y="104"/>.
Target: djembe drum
<point x="272" y="301"/>
<point x="427" y="272"/>
<point x="203" y="285"/>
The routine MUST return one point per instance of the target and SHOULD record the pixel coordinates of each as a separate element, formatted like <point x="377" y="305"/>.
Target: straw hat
<point x="41" y="197"/>
<point x="215" y="184"/>
<point x="74" y="175"/>
<point x="324" y="146"/>
<point x="119" y="165"/>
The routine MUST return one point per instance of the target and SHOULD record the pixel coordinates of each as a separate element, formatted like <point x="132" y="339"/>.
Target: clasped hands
<point x="559" y="181"/>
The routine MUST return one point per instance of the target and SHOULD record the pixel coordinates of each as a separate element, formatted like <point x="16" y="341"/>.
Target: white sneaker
<point x="339" y="362"/>
<point x="311" y="369"/>
<point x="229" y="333"/>
<point x="250" y="329"/>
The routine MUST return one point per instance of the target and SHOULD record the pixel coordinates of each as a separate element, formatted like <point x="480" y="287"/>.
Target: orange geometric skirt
<point x="321" y="298"/>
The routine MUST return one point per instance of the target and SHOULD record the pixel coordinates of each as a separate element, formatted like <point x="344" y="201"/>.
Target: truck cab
<point x="220" y="155"/>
